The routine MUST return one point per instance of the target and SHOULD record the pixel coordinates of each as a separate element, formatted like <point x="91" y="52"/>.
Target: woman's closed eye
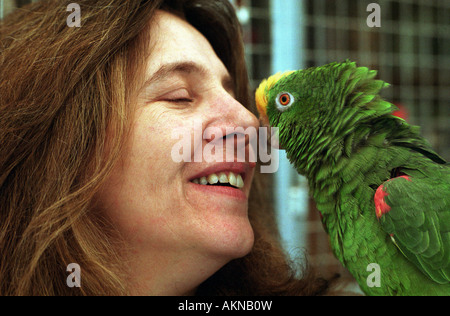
<point x="177" y="96"/>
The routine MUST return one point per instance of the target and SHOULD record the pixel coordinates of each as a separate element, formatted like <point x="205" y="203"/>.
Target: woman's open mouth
<point x="226" y="179"/>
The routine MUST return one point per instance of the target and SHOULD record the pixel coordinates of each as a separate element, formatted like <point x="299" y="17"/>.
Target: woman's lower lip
<point x="216" y="189"/>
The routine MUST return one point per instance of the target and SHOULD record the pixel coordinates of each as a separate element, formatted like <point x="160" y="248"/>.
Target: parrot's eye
<point x="284" y="101"/>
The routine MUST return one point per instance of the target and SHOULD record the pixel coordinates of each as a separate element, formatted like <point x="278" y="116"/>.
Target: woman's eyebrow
<point x="186" y="68"/>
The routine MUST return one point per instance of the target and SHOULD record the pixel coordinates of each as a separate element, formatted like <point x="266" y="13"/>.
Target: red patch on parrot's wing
<point x="405" y="177"/>
<point x="381" y="206"/>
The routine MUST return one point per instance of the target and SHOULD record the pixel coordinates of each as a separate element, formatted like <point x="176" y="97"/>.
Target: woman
<point x="86" y="174"/>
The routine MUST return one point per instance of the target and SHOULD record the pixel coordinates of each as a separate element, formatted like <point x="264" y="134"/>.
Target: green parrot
<point x="383" y="193"/>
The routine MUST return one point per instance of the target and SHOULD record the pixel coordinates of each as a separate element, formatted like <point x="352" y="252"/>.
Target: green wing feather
<point x="419" y="219"/>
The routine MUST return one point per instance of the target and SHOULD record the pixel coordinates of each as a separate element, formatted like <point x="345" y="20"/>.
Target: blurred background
<point x="411" y="50"/>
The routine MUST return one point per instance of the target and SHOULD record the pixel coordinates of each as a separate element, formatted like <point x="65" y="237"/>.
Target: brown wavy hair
<point x="63" y="90"/>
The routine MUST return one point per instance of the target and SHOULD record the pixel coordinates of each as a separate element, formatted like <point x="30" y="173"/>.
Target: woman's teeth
<point x="231" y="178"/>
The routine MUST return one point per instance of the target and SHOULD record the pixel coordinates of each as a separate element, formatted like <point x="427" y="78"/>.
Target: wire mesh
<point x="410" y="50"/>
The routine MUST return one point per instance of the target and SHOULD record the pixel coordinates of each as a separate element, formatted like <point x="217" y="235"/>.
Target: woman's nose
<point x="225" y="111"/>
<point x="235" y="125"/>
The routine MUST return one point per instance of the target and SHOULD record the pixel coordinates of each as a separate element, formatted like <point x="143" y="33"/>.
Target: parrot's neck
<point x="326" y="162"/>
<point x="311" y="158"/>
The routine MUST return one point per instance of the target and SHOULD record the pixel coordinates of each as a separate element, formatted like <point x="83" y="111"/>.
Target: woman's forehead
<point x="177" y="45"/>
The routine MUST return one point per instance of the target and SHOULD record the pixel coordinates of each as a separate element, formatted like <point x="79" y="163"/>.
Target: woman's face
<point x="171" y="222"/>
